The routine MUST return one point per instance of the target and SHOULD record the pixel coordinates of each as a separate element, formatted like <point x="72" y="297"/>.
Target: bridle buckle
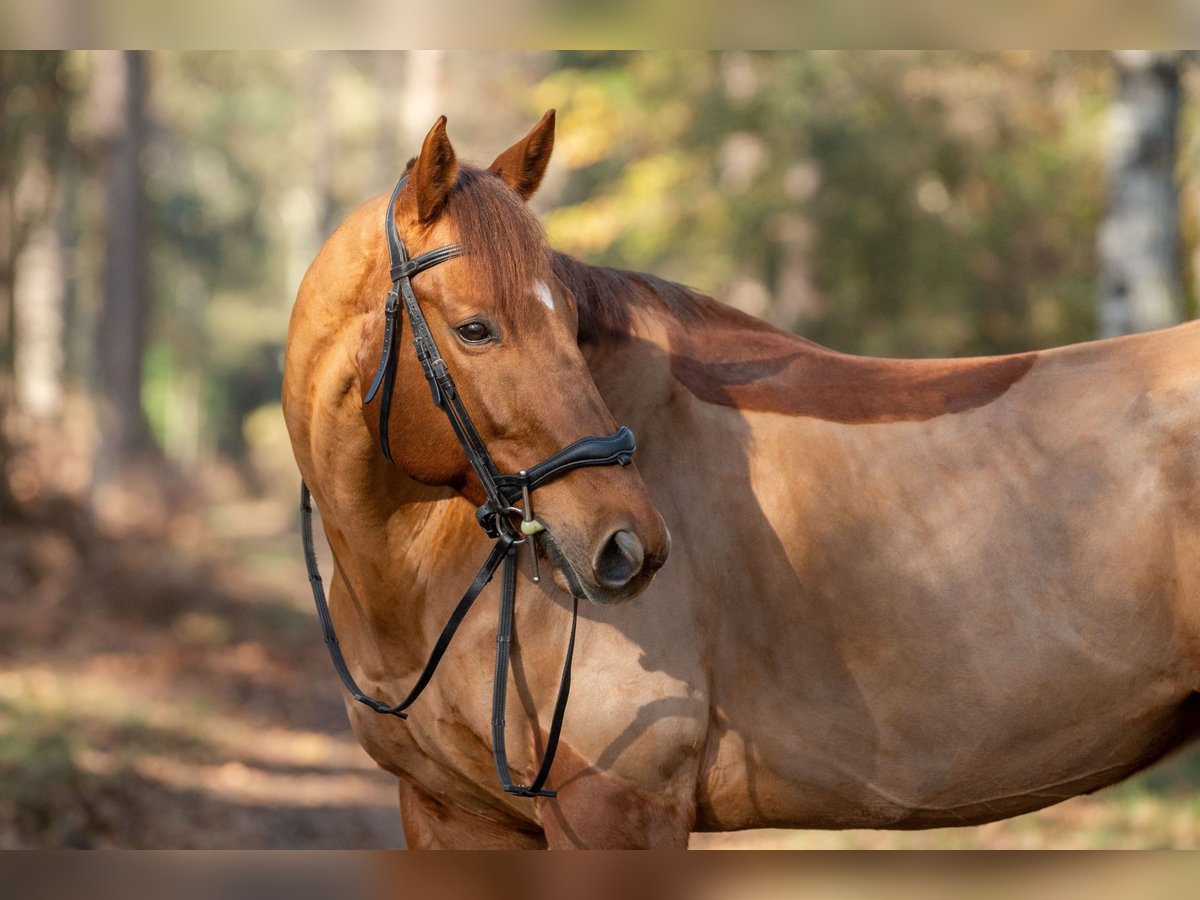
<point x="504" y="525"/>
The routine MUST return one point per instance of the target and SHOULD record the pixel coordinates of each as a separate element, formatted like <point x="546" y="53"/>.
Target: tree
<point x="927" y="203"/>
<point x="1140" y="282"/>
<point x="119" y="97"/>
<point x="33" y="112"/>
<point x="7" y="318"/>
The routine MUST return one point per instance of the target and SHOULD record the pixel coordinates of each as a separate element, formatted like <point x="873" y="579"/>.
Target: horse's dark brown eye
<point x="474" y="332"/>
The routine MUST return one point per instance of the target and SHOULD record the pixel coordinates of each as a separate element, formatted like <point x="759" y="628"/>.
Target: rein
<point x="495" y="516"/>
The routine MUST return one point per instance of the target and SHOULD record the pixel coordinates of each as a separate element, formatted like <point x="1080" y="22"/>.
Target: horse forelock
<point x="506" y="249"/>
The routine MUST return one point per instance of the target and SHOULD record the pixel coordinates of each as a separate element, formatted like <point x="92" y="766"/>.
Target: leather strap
<point x="504" y="633"/>
<point x="617" y="448"/>
<point x="504" y="551"/>
<point x="402" y="270"/>
<point x="499" y="554"/>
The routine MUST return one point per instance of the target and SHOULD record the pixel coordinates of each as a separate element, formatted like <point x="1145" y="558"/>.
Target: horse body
<point x="901" y="594"/>
<point x="918" y="622"/>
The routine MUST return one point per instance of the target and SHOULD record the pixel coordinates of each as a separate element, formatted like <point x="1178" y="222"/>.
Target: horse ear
<point x="433" y="173"/>
<point x="524" y="163"/>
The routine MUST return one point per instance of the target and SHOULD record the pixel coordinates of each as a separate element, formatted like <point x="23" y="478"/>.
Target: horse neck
<point x="372" y="503"/>
<point x="405" y="549"/>
<point x="411" y="514"/>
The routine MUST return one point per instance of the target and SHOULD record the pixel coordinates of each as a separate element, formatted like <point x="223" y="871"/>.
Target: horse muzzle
<point x="619" y="566"/>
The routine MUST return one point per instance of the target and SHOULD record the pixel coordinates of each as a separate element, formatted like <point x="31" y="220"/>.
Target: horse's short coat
<point x="900" y="593"/>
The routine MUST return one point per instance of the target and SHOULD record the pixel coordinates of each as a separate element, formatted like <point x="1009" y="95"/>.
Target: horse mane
<point x="606" y="296"/>
<point x="727" y="358"/>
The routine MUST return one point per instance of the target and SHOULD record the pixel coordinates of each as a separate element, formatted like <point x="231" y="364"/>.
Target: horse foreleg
<point x="432" y="825"/>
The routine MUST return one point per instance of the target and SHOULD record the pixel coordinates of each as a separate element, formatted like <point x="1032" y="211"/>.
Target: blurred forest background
<point x="162" y="681"/>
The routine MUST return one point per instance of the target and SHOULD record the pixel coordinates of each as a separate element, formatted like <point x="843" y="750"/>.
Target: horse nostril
<point x="619" y="559"/>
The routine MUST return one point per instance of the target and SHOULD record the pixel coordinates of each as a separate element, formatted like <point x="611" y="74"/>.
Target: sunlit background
<point x="162" y="680"/>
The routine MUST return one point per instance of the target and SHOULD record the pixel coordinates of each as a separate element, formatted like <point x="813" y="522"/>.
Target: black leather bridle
<point x="495" y="515"/>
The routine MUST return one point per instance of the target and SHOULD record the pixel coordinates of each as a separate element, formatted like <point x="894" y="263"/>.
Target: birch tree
<point x="1140" y="282"/>
<point x="33" y="113"/>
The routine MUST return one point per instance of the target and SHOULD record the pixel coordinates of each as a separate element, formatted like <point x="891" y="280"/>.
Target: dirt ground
<point x="171" y="690"/>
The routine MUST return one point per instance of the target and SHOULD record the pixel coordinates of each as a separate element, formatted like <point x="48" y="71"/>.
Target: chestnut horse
<point x="902" y="593"/>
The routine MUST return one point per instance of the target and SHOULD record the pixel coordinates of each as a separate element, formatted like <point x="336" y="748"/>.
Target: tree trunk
<point x="7" y="315"/>
<point x="33" y="115"/>
<point x="39" y="291"/>
<point x="1140" y="279"/>
<point x="119" y="98"/>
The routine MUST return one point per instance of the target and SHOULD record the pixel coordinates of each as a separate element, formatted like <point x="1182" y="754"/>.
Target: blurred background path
<point x="171" y="690"/>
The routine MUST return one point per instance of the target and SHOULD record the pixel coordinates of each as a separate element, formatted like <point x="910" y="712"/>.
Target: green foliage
<point x="884" y="203"/>
<point x="37" y="768"/>
<point x="34" y="751"/>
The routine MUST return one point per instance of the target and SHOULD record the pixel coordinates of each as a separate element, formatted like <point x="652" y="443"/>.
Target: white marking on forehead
<point x="542" y="291"/>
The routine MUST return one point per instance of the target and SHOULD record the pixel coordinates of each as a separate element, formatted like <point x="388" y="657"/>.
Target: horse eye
<point x="474" y="332"/>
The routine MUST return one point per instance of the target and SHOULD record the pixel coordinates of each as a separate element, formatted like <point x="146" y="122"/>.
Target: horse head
<point x="507" y="330"/>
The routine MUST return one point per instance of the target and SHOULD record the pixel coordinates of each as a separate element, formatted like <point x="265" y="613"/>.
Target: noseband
<point x="495" y="516"/>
